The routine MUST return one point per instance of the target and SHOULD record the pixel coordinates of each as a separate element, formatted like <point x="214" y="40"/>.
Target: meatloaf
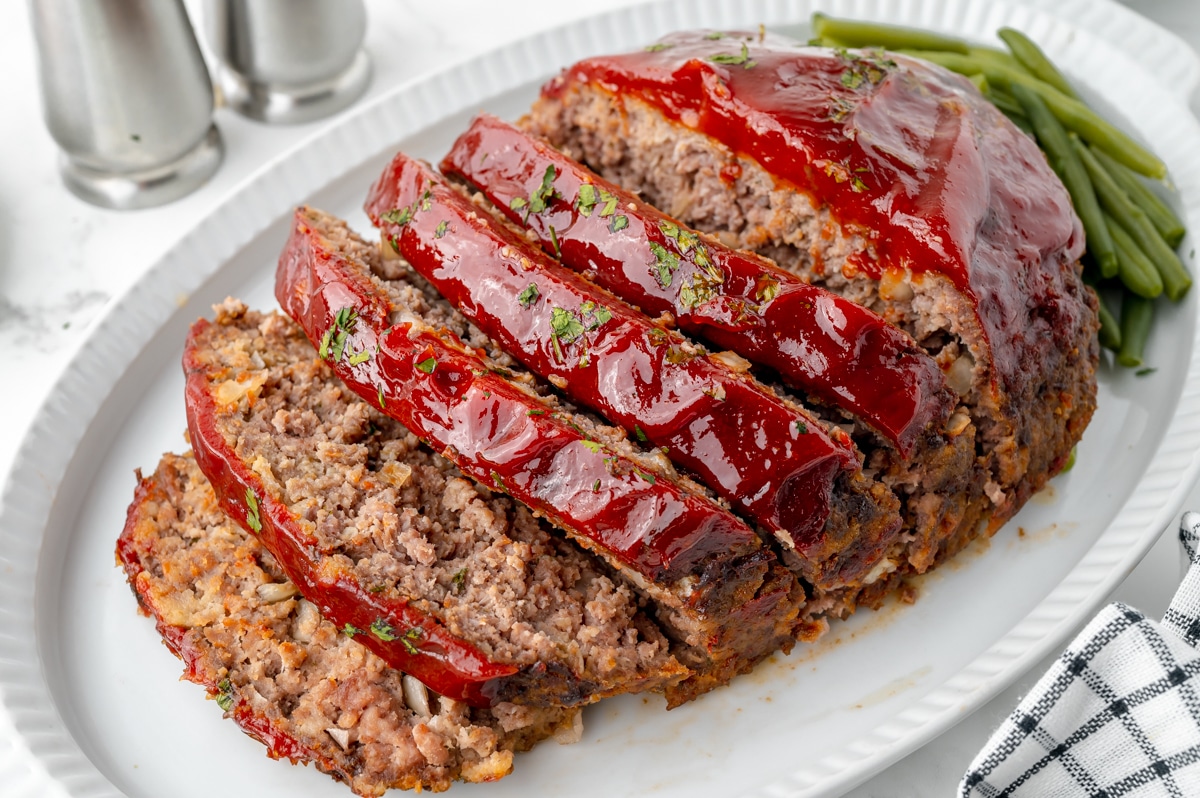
<point x="718" y="591"/>
<point x="889" y="181"/>
<point x="289" y="677"/>
<point x="441" y="577"/>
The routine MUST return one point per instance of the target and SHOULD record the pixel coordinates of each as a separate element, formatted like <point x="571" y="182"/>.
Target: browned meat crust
<point x="287" y="676"/>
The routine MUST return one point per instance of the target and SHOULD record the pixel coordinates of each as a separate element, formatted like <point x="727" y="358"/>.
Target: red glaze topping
<point x="816" y="340"/>
<point x="767" y="458"/>
<point x="443" y="392"/>
<point x="906" y="155"/>
<point x="448" y="664"/>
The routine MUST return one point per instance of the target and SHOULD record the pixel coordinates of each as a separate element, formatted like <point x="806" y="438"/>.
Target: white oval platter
<point x="95" y="698"/>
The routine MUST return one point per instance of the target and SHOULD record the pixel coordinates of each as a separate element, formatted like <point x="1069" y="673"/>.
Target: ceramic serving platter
<point x="96" y="700"/>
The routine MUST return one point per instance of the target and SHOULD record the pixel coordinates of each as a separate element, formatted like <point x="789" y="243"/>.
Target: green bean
<point x="1110" y="329"/>
<point x="1175" y="278"/>
<point x="892" y="37"/>
<point x="1066" y="163"/>
<point x="1026" y="51"/>
<point x="980" y="81"/>
<point x="1073" y="114"/>
<point x="828" y="41"/>
<point x="1137" y="272"/>
<point x="1137" y="315"/>
<point x="1004" y="101"/>
<point x="999" y="58"/>
<point x="1021" y="122"/>
<point x="1158" y="212"/>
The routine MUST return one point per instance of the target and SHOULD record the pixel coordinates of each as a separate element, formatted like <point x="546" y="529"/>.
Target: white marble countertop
<point x="61" y="261"/>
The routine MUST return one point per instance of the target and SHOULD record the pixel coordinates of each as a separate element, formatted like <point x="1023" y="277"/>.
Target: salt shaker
<point x="289" y="61"/>
<point x="128" y="99"/>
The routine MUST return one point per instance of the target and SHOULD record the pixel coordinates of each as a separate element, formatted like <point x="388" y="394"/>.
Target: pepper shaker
<point x="128" y="99"/>
<point x="289" y="61"/>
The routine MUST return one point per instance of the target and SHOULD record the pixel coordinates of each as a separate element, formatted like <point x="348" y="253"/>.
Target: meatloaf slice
<point x="286" y="675"/>
<point x="882" y="178"/>
<point x="718" y="590"/>
<point x="455" y="584"/>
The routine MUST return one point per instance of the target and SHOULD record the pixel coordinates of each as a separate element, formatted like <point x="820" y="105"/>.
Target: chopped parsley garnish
<point x="459" y="580"/>
<point x="657" y="47"/>
<point x="840" y="108"/>
<point x="225" y="694"/>
<point x="398" y="216"/>
<point x="596" y="486"/>
<point x="540" y="199"/>
<point x="610" y="204"/>
<point x="742" y="59"/>
<point x="383" y="630"/>
<point x="350" y="630"/>
<point x="565" y="325"/>
<point x="712" y="37"/>
<point x="696" y="291"/>
<point x="333" y="343"/>
<point x="359" y="357"/>
<point x="648" y="477"/>
<point x="641" y="436"/>
<point x="407" y="641"/>
<point x="703" y="285"/>
<point x="665" y="263"/>
<point x="554" y="242"/>
<point x="657" y="336"/>
<point x="252" y="518"/>
<point x="801" y="428"/>
<point x="441" y="229"/>
<point x="529" y="295"/>
<point x="677" y="355"/>
<point x="382" y="400"/>
<point x="595" y="447"/>
<point x="586" y="199"/>
<point x="496" y="478"/>
<point x="590" y="196"/>
<point x="535" y="412"/>
<point x="427" y="365"/>
<point x="377" y="588"/>
<point x="767" y="288"/>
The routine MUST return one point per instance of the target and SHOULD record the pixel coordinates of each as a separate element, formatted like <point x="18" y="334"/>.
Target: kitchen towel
<point x="1118" y="714"/>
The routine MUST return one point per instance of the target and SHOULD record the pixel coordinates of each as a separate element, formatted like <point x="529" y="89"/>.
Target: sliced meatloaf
<point x="850" y="364"/>
<point x="287" y="676"/>
<point x="889" y="181"/>
<point x="445" y="579"/>
<point x="718" y="591"/>
<point x="775" y="464"/>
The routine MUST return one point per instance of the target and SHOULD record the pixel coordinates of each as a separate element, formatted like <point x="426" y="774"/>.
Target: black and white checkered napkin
<point x="1118" y="714"/>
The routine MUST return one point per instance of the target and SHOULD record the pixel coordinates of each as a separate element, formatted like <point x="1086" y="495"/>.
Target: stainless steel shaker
<point x="127" y="97"/>
<point x="289" y="61"/>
